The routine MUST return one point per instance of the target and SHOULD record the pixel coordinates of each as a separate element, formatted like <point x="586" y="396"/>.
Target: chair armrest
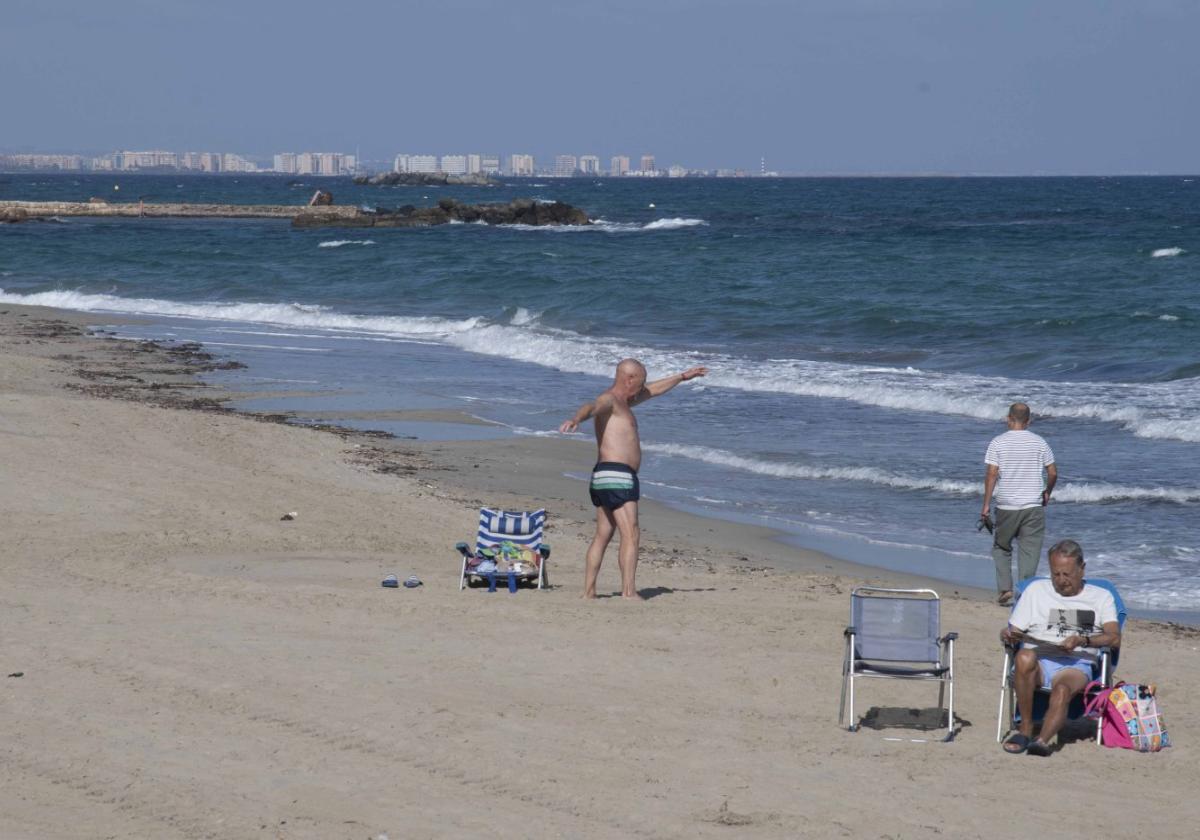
<point x="949" y="637"/>
<point x="463" y="549"/>
<point x="850" y="631"/>
<point x="544" y="550"/>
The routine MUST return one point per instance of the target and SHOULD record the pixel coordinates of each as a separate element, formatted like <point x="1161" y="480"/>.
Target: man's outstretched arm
<point x="586" y="411"/>
<point x="660" y="386"/>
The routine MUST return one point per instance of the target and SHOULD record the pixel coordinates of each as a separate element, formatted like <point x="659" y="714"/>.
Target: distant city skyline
<point x="824" y="86"/>
<point x="341" y="164"/>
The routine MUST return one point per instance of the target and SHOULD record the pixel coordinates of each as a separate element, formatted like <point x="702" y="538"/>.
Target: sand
<point x="194" y="667"/>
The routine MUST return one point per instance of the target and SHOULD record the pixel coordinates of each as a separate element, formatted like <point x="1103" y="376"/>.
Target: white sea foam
<point x="673" y="224"/>
<point x="523" y="317"/>
<point x="1166" y="410"/>
<point x="605" y="226"/>
<point x="338" y="243"/>
<point x="1167" y="252"/>
<point x="1072" y="492"/>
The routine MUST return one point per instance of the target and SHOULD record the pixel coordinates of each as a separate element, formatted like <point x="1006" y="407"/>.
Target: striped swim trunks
<point x="613" y="485"/>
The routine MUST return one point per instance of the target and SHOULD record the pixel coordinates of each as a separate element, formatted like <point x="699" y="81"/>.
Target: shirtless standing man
<point x="614" y="485"/>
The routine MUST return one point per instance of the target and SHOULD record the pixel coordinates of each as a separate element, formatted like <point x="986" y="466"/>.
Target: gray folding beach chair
<point x="896" y="634"/>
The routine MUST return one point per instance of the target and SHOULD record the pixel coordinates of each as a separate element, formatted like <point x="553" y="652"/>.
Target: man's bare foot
<point x="588" y="596"/>
<point x="634" y="597"/>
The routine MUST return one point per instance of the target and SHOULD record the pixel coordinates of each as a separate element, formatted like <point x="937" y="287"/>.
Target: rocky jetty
<point x="521" y="211"/>
<point x="424" y="179"/>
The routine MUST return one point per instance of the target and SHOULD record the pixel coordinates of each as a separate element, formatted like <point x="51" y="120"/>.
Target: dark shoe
<point x="1039" y="748"/>
<point x="1017" y="740"/>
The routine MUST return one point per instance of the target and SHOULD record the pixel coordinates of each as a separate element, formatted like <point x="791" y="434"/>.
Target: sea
<point x="864" y="338"/>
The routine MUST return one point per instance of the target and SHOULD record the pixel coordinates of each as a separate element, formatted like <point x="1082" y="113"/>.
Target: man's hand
<point x="1011" y="635"/>
<point x="567" y="427"/>
<point x="692" y="373"/>
<point x="1072" y="642"/>
<point x="1045" y="497"/>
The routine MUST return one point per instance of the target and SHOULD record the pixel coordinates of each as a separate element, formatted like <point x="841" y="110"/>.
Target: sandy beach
<point x="191" y="666"/>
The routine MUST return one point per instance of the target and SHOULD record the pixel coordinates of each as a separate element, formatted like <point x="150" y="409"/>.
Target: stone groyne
<point x="21" y="210"/>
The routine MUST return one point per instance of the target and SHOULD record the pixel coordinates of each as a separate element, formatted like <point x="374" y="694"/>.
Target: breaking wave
<point x="1166" y="252"/>
<point x="338" y="243"/>
<point x="1091" y="492"/>
<point x="1165" y="410"/>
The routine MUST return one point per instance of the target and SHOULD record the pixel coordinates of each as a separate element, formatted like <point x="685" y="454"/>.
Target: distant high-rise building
<point x="306" y="163"/>
<point x="589" y="165"/>
<point x="521" y="166"/>
<point x="416" y="163"/>
<point x="236" y="163"/>
<point x="423" y="163"/>
<point x="474" y="164"/>
<point x="489" y="164"/>
<point x="454" y="164"/>
<point x="619" y="166"/>
<point x="648" y="164"/>
<point x="565" y="166"/>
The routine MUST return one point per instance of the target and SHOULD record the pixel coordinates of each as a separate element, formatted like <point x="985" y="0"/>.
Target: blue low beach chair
<point x="519" y="529"/>
<point x="896" y="634"/>
<point x="1102" y="671"/>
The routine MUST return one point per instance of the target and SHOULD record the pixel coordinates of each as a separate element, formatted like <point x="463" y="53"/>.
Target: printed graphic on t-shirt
<point x="1071" y="622"/>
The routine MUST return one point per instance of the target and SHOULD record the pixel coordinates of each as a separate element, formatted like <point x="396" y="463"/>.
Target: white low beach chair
<point x="523" y="529"/>
<point x="896" y="634"/>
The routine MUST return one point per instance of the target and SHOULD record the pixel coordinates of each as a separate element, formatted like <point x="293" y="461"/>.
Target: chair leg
<point x="950" y="708"/>
<point x="845" y="677"/>
<point x="1104" y="677"/>
<point x="1004" y="689"/>
<point x="462" y="578"/>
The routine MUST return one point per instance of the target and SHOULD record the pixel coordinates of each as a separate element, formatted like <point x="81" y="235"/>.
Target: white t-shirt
<point x="1044" y="614"/>
<point x="1021" y="457"/>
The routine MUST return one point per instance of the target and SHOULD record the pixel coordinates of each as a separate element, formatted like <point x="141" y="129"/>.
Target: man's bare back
<point x="614" y="486"/>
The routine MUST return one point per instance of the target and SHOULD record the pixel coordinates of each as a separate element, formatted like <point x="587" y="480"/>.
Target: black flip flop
<point x="1021" y="741"/>
<point x="1005" y="599"/>
<point x="1039" y="748"/>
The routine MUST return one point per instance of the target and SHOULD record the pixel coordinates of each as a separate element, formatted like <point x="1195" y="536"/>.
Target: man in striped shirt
<point x="1020" y="476"/>
<point x="614" y="487"/>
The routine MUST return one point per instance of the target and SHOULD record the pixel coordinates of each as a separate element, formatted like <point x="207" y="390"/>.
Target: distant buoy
<point x="116" y="186"/>
<point x="651" y="206"/>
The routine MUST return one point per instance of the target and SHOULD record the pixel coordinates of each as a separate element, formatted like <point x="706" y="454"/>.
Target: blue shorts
<point x="1051" y="665"/>
<point x="613" y="485"/>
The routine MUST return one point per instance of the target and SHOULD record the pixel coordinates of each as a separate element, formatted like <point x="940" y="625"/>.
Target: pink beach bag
<point x="1128" y="716"/>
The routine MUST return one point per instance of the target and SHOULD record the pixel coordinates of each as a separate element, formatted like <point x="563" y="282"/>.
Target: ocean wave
<point x="282" y="314"/>
<point x="338" y="243"/>
<point x="1072" y="493"/>
<point x="1163" y="410"/>
<point x="1167" y="252"/>
<point x="605" y="226"/>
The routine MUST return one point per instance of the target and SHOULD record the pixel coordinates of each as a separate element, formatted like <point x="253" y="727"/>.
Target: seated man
<point x="1059" y="623"/>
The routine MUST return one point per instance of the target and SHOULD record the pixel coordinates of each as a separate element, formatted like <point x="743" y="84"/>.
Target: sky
<point x="823" y="86"/>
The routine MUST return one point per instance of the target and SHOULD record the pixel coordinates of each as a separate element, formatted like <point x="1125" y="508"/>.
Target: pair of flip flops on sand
<point x="1018" y="743"/>
<point x="411" y="582"/>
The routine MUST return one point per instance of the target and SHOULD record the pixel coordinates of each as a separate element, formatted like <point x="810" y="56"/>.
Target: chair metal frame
<point x="940" y="669"/>
<point x="1008" y="692"/>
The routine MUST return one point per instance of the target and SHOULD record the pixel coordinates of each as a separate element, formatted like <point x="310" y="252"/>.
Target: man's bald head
<point x="631" y="376"/>
<point x="1018" y="413"/>
<point x="630" y="367"/>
